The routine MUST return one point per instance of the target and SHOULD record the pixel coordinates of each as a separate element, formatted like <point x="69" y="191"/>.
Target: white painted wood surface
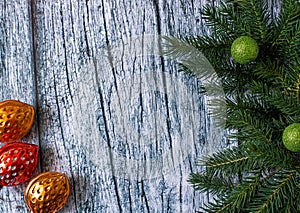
<point x="118" y="119"/>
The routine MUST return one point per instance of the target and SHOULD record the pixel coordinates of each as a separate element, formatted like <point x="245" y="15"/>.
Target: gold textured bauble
<point x="16" y="119"/>
<point x="47" y="192"/>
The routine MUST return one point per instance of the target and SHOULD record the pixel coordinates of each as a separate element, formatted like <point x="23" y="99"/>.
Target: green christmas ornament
<point x="291" y="137"/>
<point x="244" y="49"/>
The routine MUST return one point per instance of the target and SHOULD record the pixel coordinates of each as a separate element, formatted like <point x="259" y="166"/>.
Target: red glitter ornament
<point x="18" y="161"/>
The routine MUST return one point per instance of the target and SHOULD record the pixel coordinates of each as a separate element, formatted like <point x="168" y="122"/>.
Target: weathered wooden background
<point x="120" y="121"/>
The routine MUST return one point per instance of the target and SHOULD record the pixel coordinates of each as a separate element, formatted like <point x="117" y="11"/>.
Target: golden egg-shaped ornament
<point x="16" y="119"/>
<point x="48" y="192"/>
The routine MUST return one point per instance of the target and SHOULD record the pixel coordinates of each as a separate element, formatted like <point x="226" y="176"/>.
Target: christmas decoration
<point x="47" y="192"/>
<point x="291" y="137"/>
<point x="244" y="49"/>
<point x="258" y="173"/>
<point x="16" y="119"/>
<point x="18" y="162"/>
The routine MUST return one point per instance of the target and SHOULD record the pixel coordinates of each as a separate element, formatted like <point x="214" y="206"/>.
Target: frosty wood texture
<point x="112" y="114"/>
<point x="17" y="77"/>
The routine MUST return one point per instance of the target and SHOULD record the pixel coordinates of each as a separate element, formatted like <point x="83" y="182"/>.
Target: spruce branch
<point x="285" y="100"/>
<point x="220" y="19"/>
<point x="249" y="126"/>
<point x="227" y="163"/>
<point x="268" y="155"/>
<point x="178" y="48"/>
<point x="218" y="207"/>
<point x="262" y="98"/>
<point x="243" y="193"/>
<point x="287" y="22"/>
<point x="270" y="72"/>
<point x="256" y="15"/>
<point x="275" y="193"/>
<point x="214" y="185"/>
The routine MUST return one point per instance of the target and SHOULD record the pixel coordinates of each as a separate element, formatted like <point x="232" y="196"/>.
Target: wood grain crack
<point x="114" y="178"/>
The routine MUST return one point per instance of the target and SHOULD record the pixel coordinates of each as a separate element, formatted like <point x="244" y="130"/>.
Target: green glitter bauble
<point x="244" y="49"/>
<point x="291" y="137"/>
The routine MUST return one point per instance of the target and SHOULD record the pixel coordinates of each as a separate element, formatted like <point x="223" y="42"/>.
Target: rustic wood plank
<point x="126" y="131"/>
<point x="17" y="78"/>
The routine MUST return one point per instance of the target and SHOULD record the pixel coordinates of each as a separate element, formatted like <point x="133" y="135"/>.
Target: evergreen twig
<point x="262" y="98"/>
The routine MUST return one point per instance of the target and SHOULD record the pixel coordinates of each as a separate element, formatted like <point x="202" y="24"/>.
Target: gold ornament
<point x="47" y="193"/>
<point x="16" y="119"/>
